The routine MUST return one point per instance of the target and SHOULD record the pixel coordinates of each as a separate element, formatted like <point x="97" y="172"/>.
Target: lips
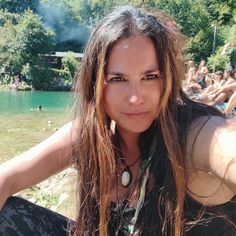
<point x="136" y="114"/>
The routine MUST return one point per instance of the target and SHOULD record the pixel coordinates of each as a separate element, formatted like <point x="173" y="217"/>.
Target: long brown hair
<point x="95" y="157"/>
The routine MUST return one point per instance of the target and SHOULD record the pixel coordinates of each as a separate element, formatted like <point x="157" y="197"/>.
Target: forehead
<point x="132" y="52"/>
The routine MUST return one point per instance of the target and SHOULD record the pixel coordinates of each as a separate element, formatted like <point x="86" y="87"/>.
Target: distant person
<point x="202" y="71"/>
<point x="191" y="71"/>
<point x="231" y="104"/>
<point x="230" y="49"/>
<point x="39" y="108"/>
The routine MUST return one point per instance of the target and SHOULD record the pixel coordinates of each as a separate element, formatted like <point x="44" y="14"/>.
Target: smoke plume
<point x="57" y="17"/>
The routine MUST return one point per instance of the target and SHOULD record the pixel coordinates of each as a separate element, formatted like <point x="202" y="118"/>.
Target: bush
<point x="5" y="79"/>
<point x="218" y="61"/>
<point x="70" y="65"/>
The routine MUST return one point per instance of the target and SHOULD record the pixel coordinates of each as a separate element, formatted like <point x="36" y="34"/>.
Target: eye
<point x="116" y="79"/>
<point x="151" y="77"/>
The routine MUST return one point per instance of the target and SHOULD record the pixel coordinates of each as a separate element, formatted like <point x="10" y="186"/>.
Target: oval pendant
<point x="126" y="177"/>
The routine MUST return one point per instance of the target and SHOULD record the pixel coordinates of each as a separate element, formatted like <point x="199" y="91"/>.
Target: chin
<point x="136" y="128"/>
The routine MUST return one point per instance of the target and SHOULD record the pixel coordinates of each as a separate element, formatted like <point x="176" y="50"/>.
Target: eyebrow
<point x="115" y="73"/>
<point x="156" y="69"/>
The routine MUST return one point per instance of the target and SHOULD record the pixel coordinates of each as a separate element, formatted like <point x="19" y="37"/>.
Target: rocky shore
<point x="57" y="193"/>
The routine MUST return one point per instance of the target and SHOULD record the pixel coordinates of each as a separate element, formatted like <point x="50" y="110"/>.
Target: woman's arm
<point x="226" y="49"/>
<point x="222" y="155"/>
<point x="222" y="89"/>
<point x="215" y="148"/>
<point x="227" y="87"/>
<point x="38" y="163"/>
<point x="231" y="104"/>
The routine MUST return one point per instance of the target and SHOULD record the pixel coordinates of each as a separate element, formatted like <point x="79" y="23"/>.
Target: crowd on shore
<point x="217" y="89"/>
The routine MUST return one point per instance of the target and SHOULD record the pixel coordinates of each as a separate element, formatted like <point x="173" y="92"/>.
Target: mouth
<point x="136" y="114"/>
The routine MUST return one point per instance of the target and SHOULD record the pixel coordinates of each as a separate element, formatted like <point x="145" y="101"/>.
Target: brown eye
<point x="116" y="79"/>
<point x="151" y="77"/>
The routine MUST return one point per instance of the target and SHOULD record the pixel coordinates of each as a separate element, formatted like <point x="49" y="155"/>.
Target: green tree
<point x="7" y="32"/>
<point x="60" y="16"/>
<point x="222" y="11"/>
<point x="195" y="23"/>
<point x="231" y="35"/>
<point x="32" y="39"/>
<point x="218" y="61"/>
<point x="24" y="43"/>
<point x="8" y="22"/>
<point x="70" y="64"/>
<point x="16" y="6"/>
<point x="8" y="16"/>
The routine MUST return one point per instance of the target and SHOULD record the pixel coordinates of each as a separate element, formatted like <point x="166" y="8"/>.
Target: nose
<point x="135" y="94"/>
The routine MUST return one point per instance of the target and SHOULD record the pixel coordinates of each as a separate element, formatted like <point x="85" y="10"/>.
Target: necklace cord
<point x="144" y="172"/>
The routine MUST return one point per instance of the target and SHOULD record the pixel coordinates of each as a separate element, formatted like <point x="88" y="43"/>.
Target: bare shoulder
<point x="211" y="136"/>
<point x="211" y="146"/>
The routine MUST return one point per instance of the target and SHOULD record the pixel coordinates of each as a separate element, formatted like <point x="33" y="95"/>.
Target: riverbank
<point x="57" y="193"/>
<point x="13" y="87"/>
<point x="26" y="87"/>
<point x="22" y="127"/>
<point x="50" y="84"/>
<point x="23" y="131"/>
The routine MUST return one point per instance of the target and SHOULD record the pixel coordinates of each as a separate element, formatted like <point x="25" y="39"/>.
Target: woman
<point x="149" y="159"/>
<point x="202" y="72"/>
<point x="191" y="71"/>
<point x="223" y="92"/>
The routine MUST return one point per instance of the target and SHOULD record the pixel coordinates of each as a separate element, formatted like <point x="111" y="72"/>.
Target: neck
<point x="129" y="145"/>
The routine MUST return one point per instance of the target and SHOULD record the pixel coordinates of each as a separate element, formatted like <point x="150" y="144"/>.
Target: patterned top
<point x="199" y="220"/>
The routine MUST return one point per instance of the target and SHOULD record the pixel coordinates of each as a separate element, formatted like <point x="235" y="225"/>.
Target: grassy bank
<point x="19" y="132"/>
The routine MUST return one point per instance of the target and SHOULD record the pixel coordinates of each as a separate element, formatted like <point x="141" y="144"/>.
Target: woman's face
<point x="218" y="78"/>
<point x="133" y="85"/>
<point x="226" y="74"/>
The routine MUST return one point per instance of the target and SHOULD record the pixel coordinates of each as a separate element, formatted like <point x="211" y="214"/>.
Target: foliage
<point x="5" y="79"/>
<point x="16" y="6"/>
<point x="23" y="43"/>
<point x="6" y="16"/>
<point x="200" y="45"/>
<point x="194" y="21"/>
<point x="70" y="33"/>
<point x="7" y="33"/>
<point x="42" y="77"/>
<point x="218" y="61"/>
<point x="89" y="12"/>
<point x="70" y="64"/>
<point x="228" y="37"/>
<point x="231" y="36"/>
<point x="221" y="11"/>
<point x="31" y="39"/>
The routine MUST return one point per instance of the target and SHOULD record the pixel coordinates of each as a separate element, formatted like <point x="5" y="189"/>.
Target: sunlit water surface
<point x="22" y="126"/>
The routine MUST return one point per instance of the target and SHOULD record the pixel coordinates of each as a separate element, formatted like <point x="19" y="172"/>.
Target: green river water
<point x="22" y="126"/>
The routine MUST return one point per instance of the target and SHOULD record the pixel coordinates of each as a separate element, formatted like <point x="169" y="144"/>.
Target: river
<point x="22" y="126"/>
